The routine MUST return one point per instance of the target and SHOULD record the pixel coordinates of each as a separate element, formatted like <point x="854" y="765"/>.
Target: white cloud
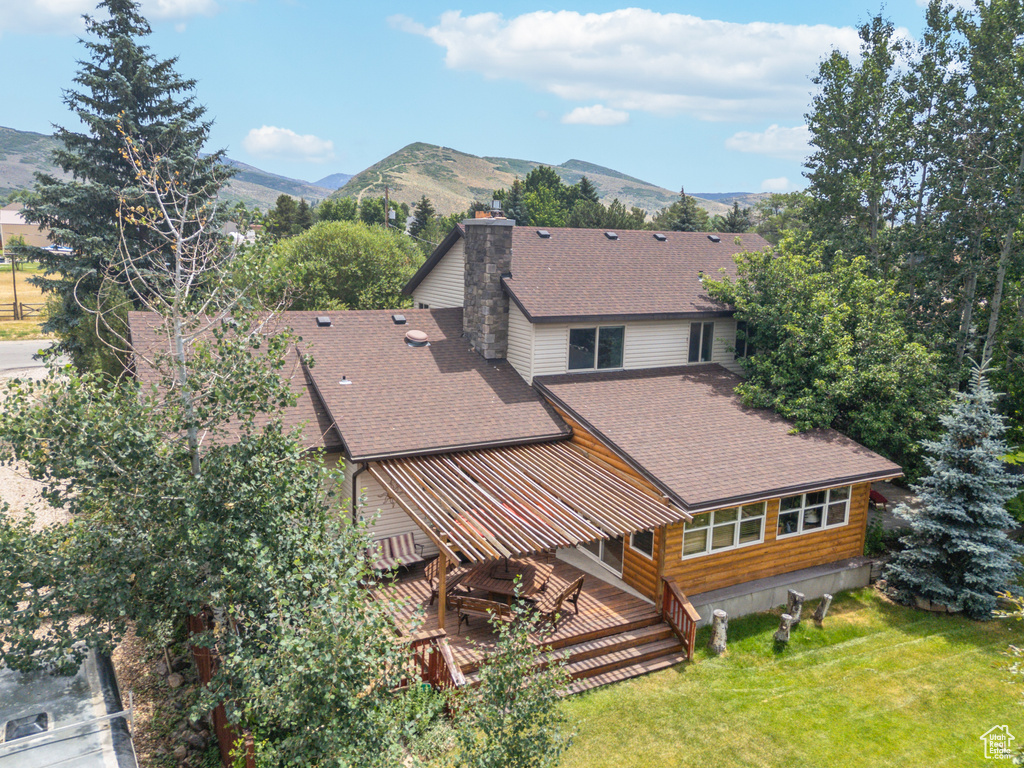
<point x="271" y="141"/>
<point x="641" y="60"/>
<point x="65" y="16"/>
<point x="780" y="184"/>
<point x="775" y="141"/>
<point x="598" y="114"/>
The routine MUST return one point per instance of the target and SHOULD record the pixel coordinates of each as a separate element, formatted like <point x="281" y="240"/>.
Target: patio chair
<point x="379" y="554"/>
<point x="550" y="605"/>
<point x="405" y="550"/>
<point x="477" y="606"/>
<point x="452" y="582"/>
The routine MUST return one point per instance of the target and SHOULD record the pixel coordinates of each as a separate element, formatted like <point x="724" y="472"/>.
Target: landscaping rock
<point x="175" y="680"/>
<point x="160" y="668"/>
<point x="180" y="752"/>
<point x="195" y="740"/>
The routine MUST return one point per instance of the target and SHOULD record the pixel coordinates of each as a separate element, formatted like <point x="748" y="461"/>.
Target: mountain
<point x="334" y="181"/>
<point x="22" y="153"/>
<point x="452" y="180"/>
<point x="745" y="199"/>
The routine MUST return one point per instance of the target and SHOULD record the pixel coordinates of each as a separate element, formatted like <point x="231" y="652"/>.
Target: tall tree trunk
<point x="966" y="314"/>
<point x="1004" y="260"/>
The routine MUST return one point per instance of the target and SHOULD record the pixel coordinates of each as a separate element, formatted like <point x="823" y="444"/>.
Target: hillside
<point x="452" y="180"/>
<point x="22" y="153"/>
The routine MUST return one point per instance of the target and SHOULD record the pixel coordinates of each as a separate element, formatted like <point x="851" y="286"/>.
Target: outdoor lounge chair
<point x="550" y="605"/>
<point x="477" y="606"/>
<point x="400" y="550"/>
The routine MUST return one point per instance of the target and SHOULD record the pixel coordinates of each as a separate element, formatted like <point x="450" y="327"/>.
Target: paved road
<point x="17" y="355"/>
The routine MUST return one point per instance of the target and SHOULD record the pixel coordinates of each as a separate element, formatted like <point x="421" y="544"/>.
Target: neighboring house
<point x="12" y="224"/>
<point x="573" y="390"/>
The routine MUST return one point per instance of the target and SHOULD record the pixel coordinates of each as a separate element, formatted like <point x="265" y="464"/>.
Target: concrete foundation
<point x="765" y="594"/>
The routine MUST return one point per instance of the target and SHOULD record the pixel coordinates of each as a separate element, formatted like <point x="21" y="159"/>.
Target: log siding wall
<point x="772" y="557"/>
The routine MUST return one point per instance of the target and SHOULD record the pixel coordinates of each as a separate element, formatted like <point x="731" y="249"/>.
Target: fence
<point x="20" y="310"/>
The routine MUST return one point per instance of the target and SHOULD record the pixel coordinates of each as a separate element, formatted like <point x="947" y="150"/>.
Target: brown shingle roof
<point x="413" y="400"/>
<point x="308" y="413"/>
<point x="687" y="430"/>
<point x="580" y="274"/>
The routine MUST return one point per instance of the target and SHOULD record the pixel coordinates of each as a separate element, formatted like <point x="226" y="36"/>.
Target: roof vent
<point x="398" y="319"/>
<point x="660" y="237"/>
<point x="344" y="381"/>
<point x="323" y="321"/>
<point x="543" y="233"/>
<point x="416" y="339"/>
<point x="714" y="238"/>
<point x="611" y="235"/>
<point x="24" y="727"/>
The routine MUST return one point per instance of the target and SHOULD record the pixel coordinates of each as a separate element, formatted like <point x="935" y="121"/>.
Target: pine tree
<point x="586" y="190"/>
<point x="958" y="553"/>
<point x="514" y="204"/>
<point x="122" y="87"/>
<point x="423" y="213"/>
<point x="303" y="217"/>
<point x="737" y="220"/>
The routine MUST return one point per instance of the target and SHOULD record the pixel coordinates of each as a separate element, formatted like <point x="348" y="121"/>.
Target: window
<point x="743" y="347"/>
<point x="423" y="306"/>
<point x="643" y="542"/>
<point x="724" y="529"/>
<point x="814" y="511"/>
<point x="591" y="348"/>
<point x="702" y="337"/>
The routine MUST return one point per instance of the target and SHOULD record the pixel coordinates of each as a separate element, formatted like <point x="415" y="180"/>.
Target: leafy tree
<point x="586" y="215"/>
<point x="780" y="213"/>
<point x="349" y="265"/>
<point x="120" y="81"/>
<point x="371" y="210"/>
<point x="337" y="209"/>
<point x="735" y="221"/>
<point x="423" y="213"/>
<point x="860" y="125"/>
<point x="833" y="350"/>
<point x="958" y="553"/>
<point x="514" y="717"/>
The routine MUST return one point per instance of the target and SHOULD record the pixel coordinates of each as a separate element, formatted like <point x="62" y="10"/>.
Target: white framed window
<point x="724" y="529"/>
<point x="596" y="348"/>
<point x="702" y="341"/>
<point x="814" y="511"/>
<point x="643" y="542"/>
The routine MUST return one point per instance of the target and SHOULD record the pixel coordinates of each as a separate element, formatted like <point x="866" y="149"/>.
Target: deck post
<point x="442" y="588"/>
<point x="659" y="580"/>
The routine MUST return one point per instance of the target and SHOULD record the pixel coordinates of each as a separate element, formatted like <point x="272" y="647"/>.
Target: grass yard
<point x="13" y="330"/>
<point x="879" y="685"/>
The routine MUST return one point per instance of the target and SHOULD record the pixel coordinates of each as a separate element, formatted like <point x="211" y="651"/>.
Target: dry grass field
<point x="13" y="330"/>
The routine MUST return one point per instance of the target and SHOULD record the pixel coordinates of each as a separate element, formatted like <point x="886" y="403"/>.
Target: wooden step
<point x="623" y="657"/>
<point x="611" y="643"/>
<point x="638" y="621"/>
<point x="625" y="673"/>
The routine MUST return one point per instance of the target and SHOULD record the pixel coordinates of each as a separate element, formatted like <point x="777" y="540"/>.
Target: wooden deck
<point x="604" y="610"/>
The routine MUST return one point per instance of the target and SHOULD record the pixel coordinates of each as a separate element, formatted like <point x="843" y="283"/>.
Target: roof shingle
<point x="687" y="429"/>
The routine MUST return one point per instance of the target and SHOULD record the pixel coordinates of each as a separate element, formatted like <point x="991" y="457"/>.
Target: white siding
<point x="550" y="349"/>
<point x="445" y="285"/>
<point x="655" y="344"/>
<point x="520" y="342"/>
<point x="391" y="518"/>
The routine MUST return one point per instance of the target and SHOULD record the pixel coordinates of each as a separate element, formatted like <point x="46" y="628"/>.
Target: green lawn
<point x="879" y="685"/>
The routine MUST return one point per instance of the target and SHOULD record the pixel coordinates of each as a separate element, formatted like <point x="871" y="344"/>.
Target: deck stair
<point x="616" y="653"/>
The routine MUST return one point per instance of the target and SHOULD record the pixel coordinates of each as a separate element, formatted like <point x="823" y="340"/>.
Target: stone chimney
<point x="488" y="257"/>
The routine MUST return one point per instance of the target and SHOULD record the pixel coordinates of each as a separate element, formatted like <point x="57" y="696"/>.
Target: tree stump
<point x="822" y="610"/>
<point x="782" y="633"/>
<point x="719" y="626"/>
<point x="795" y="605"/>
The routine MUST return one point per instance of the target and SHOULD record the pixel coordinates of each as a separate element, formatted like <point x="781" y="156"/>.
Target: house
<point x="572" y="391"/>
<point x="13" y="224"/>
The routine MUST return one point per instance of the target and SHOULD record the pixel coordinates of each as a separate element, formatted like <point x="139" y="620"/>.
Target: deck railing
<point x="680" y="615"/>
<point x="434" y="659"/>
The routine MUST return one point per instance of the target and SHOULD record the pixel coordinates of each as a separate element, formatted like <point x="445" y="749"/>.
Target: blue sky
<point x="706" y="95"/>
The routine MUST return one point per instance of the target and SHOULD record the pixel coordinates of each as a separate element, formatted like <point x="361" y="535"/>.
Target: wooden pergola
<point x="518" y="500"/>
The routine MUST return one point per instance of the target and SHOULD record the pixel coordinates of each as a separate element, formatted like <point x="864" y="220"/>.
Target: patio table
<point x="533" y="578"/>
